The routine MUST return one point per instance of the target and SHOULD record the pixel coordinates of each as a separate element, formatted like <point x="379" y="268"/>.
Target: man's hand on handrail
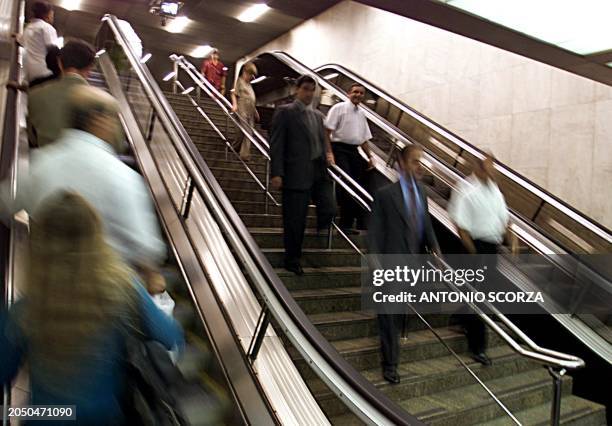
<point x="276" y="182"/>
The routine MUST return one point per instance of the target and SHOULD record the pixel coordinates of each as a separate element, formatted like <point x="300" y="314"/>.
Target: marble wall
<point x="552" y="126"/>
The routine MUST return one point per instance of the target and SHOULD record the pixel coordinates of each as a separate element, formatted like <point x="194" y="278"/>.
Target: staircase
<point x="434" y="387"/>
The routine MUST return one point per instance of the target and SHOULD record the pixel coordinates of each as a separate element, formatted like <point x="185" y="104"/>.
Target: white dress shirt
<point x="348" y="124"/>
<point x="85" y="164"/>
<point x="37" y="35"/>
<point x="480" y="209"/>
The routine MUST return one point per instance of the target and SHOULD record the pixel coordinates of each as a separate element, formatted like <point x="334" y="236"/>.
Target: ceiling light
<point x="201" y="51"/>
<point x="330" y="76"/>
<point x="581" y="27"/>
<point x="258" y="79"/>
<point x="70" y="4"/>
<point x="169" y="76"/>
<point x="178" y="24"/>
<point x="59" y="42"/>
<point x="253" y="12"/>
<point x="145" y="58"/>
<point x="100" y="52"/>
<point x="186" y="91"/>
<point x="609" y="64"/>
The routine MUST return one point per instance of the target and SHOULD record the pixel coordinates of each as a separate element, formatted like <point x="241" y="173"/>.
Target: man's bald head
<point x="95" y="111"/>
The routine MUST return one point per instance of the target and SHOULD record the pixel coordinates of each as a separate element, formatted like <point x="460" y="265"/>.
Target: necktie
<point x="413" y="215"/>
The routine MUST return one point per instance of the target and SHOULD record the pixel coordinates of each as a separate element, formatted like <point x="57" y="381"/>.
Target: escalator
<point x="435" y="388"/>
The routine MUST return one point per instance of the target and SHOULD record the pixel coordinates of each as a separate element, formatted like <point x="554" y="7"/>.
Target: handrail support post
<point x="260" y="332"/>
<point x="555" y="414"/>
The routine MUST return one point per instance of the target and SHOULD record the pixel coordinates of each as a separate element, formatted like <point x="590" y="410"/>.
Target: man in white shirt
<point x="83" y="160"/>
<point x="347" y="128"/>
<point x="479" y="210"/>
<point x="36" y="37"/>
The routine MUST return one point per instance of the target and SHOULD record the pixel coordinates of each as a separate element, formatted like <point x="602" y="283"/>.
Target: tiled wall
<point x="552" y="126"/>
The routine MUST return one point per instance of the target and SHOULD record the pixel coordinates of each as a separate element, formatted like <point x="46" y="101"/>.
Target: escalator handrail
<point x="532" y="187"/>
<point x="202" y="176"/>
<point x="9" y="152"/>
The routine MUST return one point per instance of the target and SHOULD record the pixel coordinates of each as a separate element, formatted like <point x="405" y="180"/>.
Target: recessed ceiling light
<point x="178" y="24"/>
<point x="330" y="76"/>
<point x="169" y="76"/>
<point x="581" y="27"/>
<point x="145" y="58"/>
<point x="70" y="4"/>
<point x="59" y="42"/>
<point x="186" y="91"/>
<point x="258" y="79"/>
<point x="201" y="51"/>
<point x="251" y="13"/>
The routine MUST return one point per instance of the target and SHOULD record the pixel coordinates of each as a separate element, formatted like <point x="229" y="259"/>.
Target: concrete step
<point x="574" y="411"/>
<point x="323" y="277"/>
<point x="273" y="237"/>
<point x="422" y="378"/>
<point x="272" y="221"/>
<point x="316" y="257"/>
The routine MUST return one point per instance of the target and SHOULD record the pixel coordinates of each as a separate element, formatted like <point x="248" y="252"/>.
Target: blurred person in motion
<point x="347" y="128"/>
<point x="244" y="104"/>
<point x="48" y="112"/>
<point x="84" y="160"/>
<point x="298" y="151"/>
<point x="478" y="209"/>
<point x="214" y="71"/>
<point x="79" y="304"/>
<point x="38" y="34"/>
<point x="400" y="224"/>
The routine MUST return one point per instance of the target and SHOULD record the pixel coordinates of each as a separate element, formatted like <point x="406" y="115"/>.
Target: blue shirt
<point x="97" y="391"/>
<point x="408" y="183"/>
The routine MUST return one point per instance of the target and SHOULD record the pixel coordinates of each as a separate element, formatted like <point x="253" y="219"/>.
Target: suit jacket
<point x="290" y="148"/>
<point x="390" y="228"/>
<point x="48" y="112"/>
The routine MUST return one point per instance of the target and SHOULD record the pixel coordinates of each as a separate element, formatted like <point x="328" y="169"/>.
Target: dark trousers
<point x="348" y="159"/>
<point x="474" y="327"/>
<point x="389" y="326"/>
<point x="295" y="212"/>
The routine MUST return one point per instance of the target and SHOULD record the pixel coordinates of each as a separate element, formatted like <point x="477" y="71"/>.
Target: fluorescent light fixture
<point x="370" y="102"/>
<point x="581" y="27"/>
<point x="145" y="58"/>
<point x="70" y="4"/>
<point x="188" y="90"/>
<point x="100" y="52"/>
<point x="258" y="79"/>
<point x="331" y="76"/>
<point x="169" y="7"/>
<point x="201" y="51"/>
<point x="59" y="42"/>
<point x="253" y="12"/>
<point x="169" y="76"/>
<point x="178" y="24"/>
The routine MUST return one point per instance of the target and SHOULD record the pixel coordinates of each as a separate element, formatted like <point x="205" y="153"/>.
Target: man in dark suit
<point x="299" y="152"/>
<point x="400" y="224"/>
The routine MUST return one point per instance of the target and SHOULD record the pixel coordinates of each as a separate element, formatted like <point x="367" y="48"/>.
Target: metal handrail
<point x="558" y="204"/>
<point x="361" y="396"/>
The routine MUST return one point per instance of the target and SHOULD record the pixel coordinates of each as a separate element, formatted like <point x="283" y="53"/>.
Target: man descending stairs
<point x="434" y="386"/>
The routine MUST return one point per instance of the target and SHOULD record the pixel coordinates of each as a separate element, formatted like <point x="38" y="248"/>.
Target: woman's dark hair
<point x="41" y="9"/>
<point x="305" y="79"/>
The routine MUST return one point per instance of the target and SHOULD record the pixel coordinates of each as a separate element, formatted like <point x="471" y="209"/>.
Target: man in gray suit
<point x="299" y="152"/>
<point x="400" y="224"/>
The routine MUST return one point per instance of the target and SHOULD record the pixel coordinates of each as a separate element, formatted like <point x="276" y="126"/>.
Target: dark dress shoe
<point x="296" y="268"/>
<point x="392" y="377"/>
<point x="482" y="358"/>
